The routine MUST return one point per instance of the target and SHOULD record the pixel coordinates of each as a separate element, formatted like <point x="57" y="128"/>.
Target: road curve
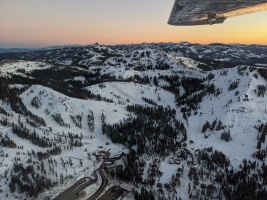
<point x="102" y="186"/>
<point x="72" y="192"/>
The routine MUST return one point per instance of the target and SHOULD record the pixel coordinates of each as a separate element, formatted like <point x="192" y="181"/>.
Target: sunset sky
<point x="40" y="23"/>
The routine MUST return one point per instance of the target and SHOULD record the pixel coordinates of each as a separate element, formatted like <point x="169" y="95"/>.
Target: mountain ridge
<point x="213" y="55"/>
<point x="201" y="132"/>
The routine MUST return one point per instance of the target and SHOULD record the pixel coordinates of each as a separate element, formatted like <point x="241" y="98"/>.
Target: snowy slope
<point x="132" y="93"/>
<point x="141" y="75"/>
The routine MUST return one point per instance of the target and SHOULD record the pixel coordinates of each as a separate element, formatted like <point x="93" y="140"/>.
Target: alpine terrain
<point x="139" y="121"/>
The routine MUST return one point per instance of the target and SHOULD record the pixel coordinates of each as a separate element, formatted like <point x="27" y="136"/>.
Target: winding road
<point x="102" y="186"/>
<point x="72" y="192"/>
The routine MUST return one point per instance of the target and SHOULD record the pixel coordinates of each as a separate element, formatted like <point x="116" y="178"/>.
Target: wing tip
<point x="196" y="22"/>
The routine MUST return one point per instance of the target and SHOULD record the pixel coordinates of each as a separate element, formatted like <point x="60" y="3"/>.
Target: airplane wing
<point x="202" y="12"/>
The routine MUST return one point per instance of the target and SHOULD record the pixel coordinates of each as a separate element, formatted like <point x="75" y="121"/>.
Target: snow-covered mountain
<point x="216" y="52"/>
<point x="211" y="56"/>
<point x="191" y="120"/>
<point x="81" y="56"/>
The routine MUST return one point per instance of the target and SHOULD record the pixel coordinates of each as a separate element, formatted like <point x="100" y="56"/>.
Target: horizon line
<point x="66" y="45"/>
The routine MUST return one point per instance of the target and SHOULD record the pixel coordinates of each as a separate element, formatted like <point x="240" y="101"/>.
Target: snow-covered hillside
<point x="212" y="56"/>
<point x="172" y="129"/>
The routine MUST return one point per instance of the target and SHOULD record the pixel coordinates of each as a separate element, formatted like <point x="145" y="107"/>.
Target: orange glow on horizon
<point x="88" y="23"/>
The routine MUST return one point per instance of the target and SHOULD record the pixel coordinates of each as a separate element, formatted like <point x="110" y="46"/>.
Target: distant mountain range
<point x="212" y="56"/>
<point x="17" y="50"/>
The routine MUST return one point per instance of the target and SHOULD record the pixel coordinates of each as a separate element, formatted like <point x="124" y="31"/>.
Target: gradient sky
<point x="39" y="23"/>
